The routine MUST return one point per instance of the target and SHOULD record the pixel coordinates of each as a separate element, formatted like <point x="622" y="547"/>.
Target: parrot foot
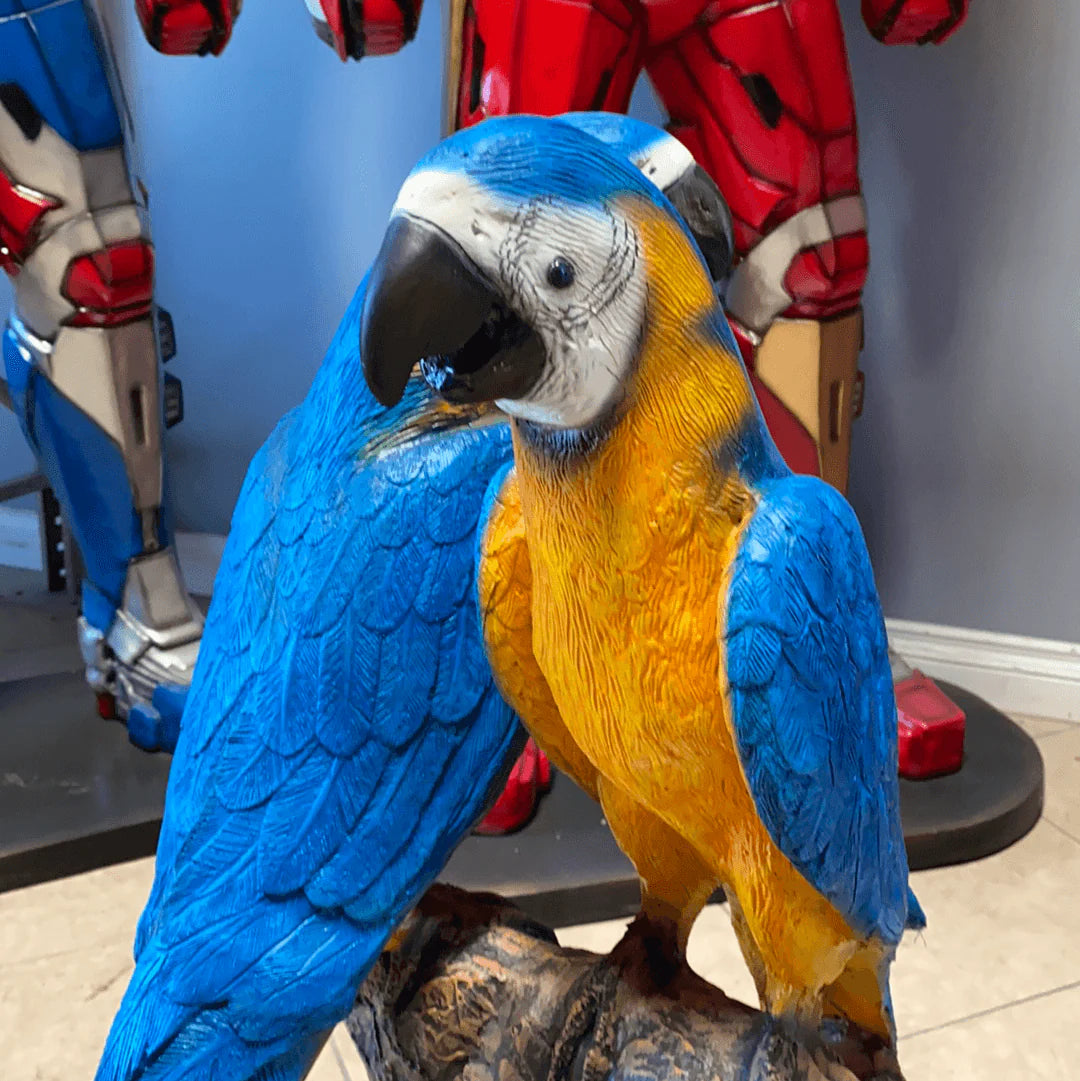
<point x="852" y="1054"/>
<point x="649" y="955"/>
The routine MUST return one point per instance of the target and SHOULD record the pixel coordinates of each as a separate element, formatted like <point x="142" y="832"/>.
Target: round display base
<point x="992" y="801"/>
<point x="96" y="800"/>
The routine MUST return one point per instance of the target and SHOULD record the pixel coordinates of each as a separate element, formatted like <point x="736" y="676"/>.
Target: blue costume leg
<point x="81" y="353"/>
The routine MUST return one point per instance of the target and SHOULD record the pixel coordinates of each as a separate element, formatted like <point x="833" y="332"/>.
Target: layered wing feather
<point x="812" y="701"/>
<point x="341" y="736"/>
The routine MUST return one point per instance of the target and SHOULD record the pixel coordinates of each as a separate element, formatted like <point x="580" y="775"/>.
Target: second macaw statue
<point x="344" y="730"/>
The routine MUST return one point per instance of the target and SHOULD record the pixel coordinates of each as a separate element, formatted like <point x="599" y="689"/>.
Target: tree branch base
<point x="473" y="990"/>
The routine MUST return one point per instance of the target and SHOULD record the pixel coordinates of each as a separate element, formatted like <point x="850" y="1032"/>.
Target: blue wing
<point x="341" y="736"/>
<point x="812" y="701"/>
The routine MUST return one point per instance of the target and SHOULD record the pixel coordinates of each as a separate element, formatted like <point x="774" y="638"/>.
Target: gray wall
<point x="272" y="170"/>
<point x="967" y="460"/>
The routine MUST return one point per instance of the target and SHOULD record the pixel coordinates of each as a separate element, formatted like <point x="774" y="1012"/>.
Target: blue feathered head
<point x="513" y="266"/>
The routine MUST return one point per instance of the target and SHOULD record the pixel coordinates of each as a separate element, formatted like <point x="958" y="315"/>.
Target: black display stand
<point x="75" y="795"/>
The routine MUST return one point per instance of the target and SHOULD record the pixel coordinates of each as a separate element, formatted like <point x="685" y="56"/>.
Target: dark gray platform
<point x="995" y="798"/>
<point x="74" y="795"/>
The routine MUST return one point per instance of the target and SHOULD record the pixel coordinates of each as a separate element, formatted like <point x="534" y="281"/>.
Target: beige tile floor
<point x="989" y="992"/>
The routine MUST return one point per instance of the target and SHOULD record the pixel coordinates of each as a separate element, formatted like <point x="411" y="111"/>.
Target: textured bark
<point x="475" y="990"/>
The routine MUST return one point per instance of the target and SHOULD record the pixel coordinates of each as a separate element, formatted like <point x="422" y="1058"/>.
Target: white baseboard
<point x="1036" y="676"/>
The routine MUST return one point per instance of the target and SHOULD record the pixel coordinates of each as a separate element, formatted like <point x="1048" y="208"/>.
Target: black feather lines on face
<point x="523" y="272"/>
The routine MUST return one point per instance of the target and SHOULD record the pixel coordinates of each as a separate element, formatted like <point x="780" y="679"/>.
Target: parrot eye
<point x="560" y="274"/>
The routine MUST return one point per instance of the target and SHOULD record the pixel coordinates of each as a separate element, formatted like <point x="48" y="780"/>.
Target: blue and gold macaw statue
<point x="575" y="513"/>
<point x="688" y="629"/>
<point x="344" y="730"/>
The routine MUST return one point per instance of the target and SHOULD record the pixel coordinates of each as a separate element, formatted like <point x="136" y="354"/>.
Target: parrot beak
<point x="698" y="200"/>
<point x="428" y="303"/>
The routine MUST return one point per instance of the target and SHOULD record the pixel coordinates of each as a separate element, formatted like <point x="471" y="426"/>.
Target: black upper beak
<point x="697" y="198"/>
<point x="427" y="301"/>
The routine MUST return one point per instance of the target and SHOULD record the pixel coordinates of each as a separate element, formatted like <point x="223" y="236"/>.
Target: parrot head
<point x="515" y="266"/>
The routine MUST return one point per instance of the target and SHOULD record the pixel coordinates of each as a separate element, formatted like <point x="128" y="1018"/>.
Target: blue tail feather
<point x="916" y="918"/>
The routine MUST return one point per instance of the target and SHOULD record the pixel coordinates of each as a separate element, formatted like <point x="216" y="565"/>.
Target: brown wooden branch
<point x="475" y="990"/>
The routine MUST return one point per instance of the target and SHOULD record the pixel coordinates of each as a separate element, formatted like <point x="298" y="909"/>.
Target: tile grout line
<point x="993" y="1009"/>
<point x="1066" y="726"/>
<point x="1061" y="829"/>
<point x="36" y="958"/>
<point x="340" y="1058"/>
<point x="1065" y="729"/>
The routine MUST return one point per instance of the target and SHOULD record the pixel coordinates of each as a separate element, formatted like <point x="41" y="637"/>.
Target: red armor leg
<point x="548" y="57"/>
<point x="760" y="93"/>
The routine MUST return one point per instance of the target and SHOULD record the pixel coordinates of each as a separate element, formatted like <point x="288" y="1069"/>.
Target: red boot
<point x="528" y="781"/>
<point x="931" y="728"/>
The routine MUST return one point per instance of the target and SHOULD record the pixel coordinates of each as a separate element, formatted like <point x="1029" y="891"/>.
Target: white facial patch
<point x="664" y="161"/>
<point x="590" y="327"/>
